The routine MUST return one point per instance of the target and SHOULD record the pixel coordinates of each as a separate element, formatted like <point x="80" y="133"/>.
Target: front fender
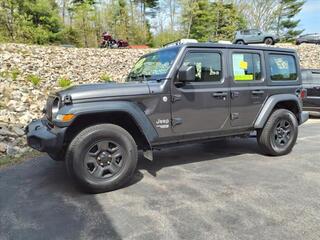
<point x="271" y="103"/>
<point x="130" y="108"/>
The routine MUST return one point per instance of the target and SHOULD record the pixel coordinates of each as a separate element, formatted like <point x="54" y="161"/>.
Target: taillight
<point x="303" y="94"/>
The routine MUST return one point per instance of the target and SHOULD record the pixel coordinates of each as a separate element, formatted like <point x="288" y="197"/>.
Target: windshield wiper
<point x="143" y="76"/>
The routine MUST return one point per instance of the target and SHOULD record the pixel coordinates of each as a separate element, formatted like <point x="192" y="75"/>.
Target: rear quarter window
<point x="283" y="67"/>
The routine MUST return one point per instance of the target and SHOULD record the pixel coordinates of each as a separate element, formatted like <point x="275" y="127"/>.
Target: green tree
<point x="214" y="21"/>
<point x="35" y="21"/>
<point x="84" y="18"/>
<point x="286" y="22"/>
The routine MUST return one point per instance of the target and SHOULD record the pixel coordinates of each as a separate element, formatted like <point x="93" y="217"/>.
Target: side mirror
<point x="187" y="74"/>
<point x="259" y="33"/>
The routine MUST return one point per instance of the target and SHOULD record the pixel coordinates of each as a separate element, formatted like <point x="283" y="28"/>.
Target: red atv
<point x="109" y="42"/>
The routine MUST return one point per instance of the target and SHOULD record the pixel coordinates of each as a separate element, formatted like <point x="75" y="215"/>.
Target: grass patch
<point x="64" y="82"/>
<point x="15" y="73"/>
<point x="34" y="79"/>
<point x="5" y="74"/>
<point x="8" y="160"/>
<point x="106" y="77"/>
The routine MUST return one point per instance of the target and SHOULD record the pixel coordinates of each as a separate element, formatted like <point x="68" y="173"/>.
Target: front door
<point x="202" y="105"/>
<point x="248" y="86"/>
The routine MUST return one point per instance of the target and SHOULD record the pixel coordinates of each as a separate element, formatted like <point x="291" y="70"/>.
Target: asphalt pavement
<point x="216" y="190"/>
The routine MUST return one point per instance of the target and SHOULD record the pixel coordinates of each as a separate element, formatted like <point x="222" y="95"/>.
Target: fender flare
<point x="130" y="108"/>
<point x="270" y="104"/>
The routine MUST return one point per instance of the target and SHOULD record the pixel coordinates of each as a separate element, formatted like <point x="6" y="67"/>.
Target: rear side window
<point x="282" y="67"/>
<point x="246" y="66"/>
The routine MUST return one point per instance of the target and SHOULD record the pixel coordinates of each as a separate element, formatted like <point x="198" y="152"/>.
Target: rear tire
<point x="279" y="134"/>
<point x="269" y="41"/>
<point x="102" y="158"/>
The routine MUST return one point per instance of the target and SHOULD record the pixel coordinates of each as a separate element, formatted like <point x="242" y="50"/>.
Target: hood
<point x="104" y="90"/>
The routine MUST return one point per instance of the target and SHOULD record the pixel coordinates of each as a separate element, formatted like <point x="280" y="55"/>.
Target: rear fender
<point x="271" y="104"/>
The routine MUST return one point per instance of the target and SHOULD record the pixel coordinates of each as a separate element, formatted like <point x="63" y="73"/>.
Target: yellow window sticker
<point x="241" y="77"/>
<point x="244" y="65"/>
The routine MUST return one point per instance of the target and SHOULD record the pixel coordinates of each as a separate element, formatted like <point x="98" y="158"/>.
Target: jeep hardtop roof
<point x="233" y="46"/>
<point x="226" y="46"/>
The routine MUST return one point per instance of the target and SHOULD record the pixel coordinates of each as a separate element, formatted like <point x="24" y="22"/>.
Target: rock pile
<point x="29" y="73"/>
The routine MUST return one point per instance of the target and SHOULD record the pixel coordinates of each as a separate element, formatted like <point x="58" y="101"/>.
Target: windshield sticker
<point x="243" y="77"/>
<point x="243" y="65"/>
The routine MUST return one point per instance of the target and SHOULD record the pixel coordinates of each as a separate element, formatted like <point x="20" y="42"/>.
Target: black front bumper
<point x="42" y="137"/>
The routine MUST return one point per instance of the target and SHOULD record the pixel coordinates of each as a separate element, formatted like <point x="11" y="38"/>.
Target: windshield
<point x="154" y="66"/>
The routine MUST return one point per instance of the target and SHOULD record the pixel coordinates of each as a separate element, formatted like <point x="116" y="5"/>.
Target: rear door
<point x="248" y="86"/>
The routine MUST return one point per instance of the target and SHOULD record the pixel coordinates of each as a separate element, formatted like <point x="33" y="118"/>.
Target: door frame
<point x="249" y="85"/>
<point x="224" y="84"/>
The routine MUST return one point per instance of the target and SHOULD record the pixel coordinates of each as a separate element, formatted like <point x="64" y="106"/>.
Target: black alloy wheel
<point x="282" y="134"/>
<point x="104" y="159"/>
<point x="279" y="134"/>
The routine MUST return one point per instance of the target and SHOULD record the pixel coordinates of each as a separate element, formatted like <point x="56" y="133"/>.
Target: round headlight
<point x="55" y="107"/>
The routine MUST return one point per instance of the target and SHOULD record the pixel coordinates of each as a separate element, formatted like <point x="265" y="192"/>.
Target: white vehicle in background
<point x="181" y="41"/>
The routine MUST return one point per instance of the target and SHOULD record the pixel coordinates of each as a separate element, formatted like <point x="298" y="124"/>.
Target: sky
<point x="310" y="16"/>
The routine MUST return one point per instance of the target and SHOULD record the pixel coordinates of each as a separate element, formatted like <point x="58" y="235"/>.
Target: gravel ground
<point x="202" y="191"/>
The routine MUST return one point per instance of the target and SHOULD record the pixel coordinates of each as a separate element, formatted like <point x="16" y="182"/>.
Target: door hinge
<point x="175" y="98"/>
<point x="176" y="121"/>
<point x="235" y="94"/>
<point x="234" y="116"/>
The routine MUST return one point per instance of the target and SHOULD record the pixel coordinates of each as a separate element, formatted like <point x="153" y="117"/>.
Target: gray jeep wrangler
<point x="189" y="92"/>
<point x="255" y="36"/>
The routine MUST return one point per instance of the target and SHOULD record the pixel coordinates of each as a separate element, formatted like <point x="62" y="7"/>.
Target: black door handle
<point x="219" y="94"/>
<point x="257" y="92"/>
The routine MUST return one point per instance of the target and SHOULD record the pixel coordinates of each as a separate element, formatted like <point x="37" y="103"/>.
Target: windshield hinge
<point x="175" y="98"/>
<point x="176" y="121"/>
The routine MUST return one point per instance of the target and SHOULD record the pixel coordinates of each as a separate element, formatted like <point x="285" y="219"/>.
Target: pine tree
<point x="286" y="19"/>
<point x="214" y="21"/>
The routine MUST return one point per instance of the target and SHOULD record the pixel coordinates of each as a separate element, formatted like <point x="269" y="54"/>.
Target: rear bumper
<point x="311" y="109"/>
<point x="304" y="116"/>
<point x="44" y="138"/>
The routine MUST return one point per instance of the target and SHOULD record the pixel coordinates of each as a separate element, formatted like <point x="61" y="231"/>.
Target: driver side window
<point x="208" y="66"/>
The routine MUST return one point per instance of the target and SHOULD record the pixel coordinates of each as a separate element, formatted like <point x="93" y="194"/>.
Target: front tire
<point x="279" y="134"/>
<point x="102" y="158"/>
<point x="240" y="42"/>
